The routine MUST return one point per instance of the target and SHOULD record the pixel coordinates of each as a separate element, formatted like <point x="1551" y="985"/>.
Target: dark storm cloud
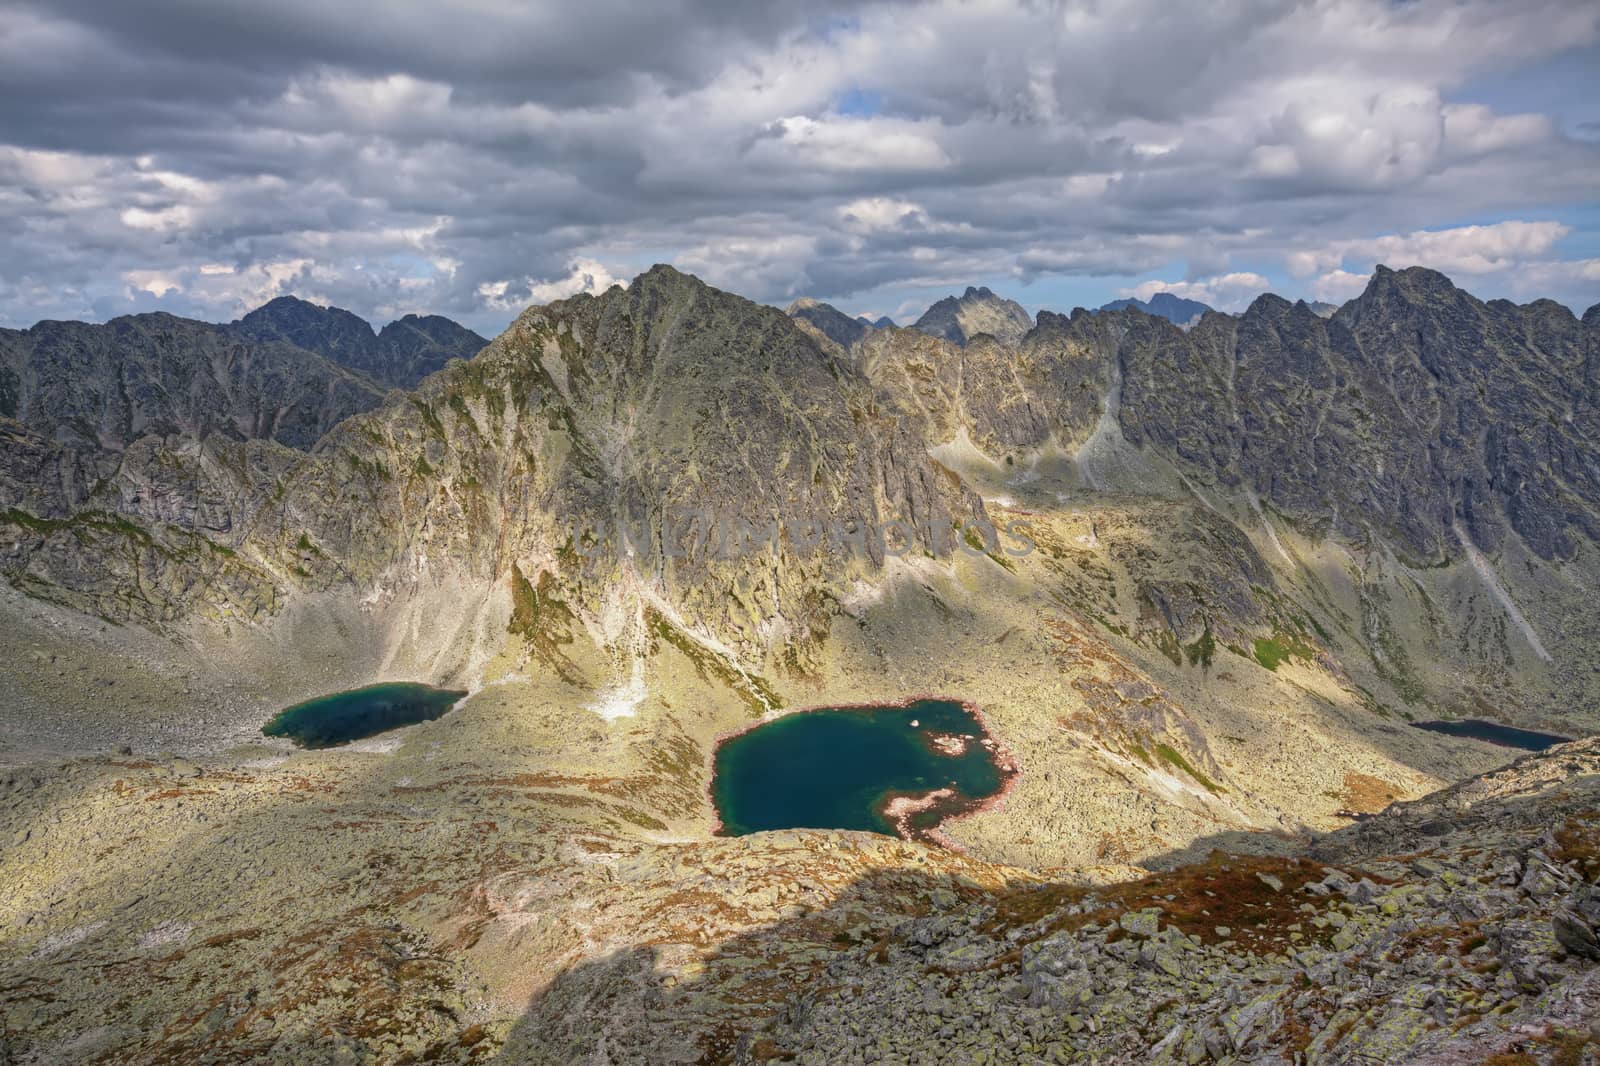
<point x="202" y="156"/>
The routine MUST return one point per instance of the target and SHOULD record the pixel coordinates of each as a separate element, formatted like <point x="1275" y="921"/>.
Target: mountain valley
<point x="1200" y="580"/>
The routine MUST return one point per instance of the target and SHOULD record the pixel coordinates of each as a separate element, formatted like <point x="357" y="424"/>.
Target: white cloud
<point x="403" y="161"/>
<point x="833" y="143"/>
<point x="1472" y="129"/>
<point x="1461" y="250"/>
<point x="155" y="282"/>
<point x="1332" y="133"/>
<point x="1337" y="286"/>
<point x="1225" y="292"/>
<point x="164" y="220"/>
<point x="878" y="213"/>
<point x="585" y="275"/>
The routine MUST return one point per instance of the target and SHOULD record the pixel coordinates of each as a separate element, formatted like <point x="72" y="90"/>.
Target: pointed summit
<point x="407" y="350"/>
<point x="329" y="331"/>
<point x="1173" y="308"/>
<point x="978" y="310"/>
<point x="829" y="321"/>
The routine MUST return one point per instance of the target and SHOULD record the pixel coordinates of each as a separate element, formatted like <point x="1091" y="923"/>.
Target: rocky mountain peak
<point x="1170" y="306"/>
<point x="289" y="318"/>
<point x="405" y="352"/>
<point x="829" y="321"/>
<point x="978" y="310"/>
<point x="1271" y="305"/>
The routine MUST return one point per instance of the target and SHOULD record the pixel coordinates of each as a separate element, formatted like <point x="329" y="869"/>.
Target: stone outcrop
<point x="958" y="319"/>
<point x="105" y="386"/>
<point x="1173" y="308"/>
<point x="830" y="321"/>
<point x="400" y="355"/>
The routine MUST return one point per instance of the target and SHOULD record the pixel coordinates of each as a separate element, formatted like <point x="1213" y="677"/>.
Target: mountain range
<point x="400" y="355"/>
<point x="1202" y="583"/>
<point x="288" y="371"/>
<point x="1173" y="308"/>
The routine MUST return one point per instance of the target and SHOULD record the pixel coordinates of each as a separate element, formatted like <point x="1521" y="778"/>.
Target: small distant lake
<point x="329" y="721"/>
<point x="1494" y="733"/>
<point x="899" y="770"/>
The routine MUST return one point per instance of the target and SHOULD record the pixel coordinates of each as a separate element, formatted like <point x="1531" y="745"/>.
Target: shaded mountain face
<point x="1322" y="309"/>
<point x="419" y="345"/>
<point x="978" y="310"/>
<point x="1006" y="397"/>
<point x="1412" y="410"/>
<point x="404" y="353"/>
<point x="105" y="386"/>
<point x="1417" y="416"/>
<point x="631" y="411"/>
<point x="1165" y="305"/>
<point x="830" y="321"/>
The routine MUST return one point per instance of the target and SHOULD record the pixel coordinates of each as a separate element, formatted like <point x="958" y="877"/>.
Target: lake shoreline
<point x="1005" y="762"/>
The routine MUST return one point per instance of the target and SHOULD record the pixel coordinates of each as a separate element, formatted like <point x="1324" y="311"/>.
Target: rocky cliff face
<point x="1446" y="417"/>
<point x="1175" y="309"/>
<point x="1438" y="410"/>
<point x="1449" y="421"/>
<point x="958" y="319"/>
<point x="402" y="354"/>
<point x="419" y="345"/>
<point x="105" y="386"/>
<point x="1049" y="383"/>
<point x="830" y="321"/>
<point x="646" y="448"/>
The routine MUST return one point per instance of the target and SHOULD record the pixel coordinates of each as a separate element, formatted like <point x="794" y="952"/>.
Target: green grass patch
<point x="1172" y="757"/>
<point x="1281" y="647"/>
<point x="1202" y="651"/>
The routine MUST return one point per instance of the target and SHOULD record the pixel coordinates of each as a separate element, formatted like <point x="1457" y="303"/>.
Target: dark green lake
<point x="329" y="721"/>
<point x="1494" y="733"/>
<point x="838" y="768"/>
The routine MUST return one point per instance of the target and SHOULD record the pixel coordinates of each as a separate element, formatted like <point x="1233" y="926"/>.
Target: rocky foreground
<point x="338" y="913"/>
<point x="1458" y="928"/>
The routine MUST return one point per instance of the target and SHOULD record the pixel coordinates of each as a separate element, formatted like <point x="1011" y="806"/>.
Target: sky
<point x="470" y="159"/>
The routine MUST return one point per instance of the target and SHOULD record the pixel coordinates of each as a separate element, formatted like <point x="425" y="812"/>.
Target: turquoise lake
<point x="328" y="721"/>
<point x="837" y="768"/>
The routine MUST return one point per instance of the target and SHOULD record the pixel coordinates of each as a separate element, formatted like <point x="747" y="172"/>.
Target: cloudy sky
<point x="202" y="156"/>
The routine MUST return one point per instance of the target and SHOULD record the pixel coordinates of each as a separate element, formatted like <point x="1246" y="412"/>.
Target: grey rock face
<point x="419" y="345"/>
<point x="637" y="407"/>
<point x="1175" y="309"/>
<point x="1007" y="397"/>
<point x="1573" y="932"/>
<point x="105" y="386"/>
<point x="832" y="322"/>
<point x="1414" y="410"/>
<point x="978" y="310"/>
<point x="404" y="353"/>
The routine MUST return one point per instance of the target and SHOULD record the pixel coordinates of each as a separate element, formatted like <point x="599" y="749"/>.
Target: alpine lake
<point x="899" y="769"/>
<point x="329" y="721"/>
